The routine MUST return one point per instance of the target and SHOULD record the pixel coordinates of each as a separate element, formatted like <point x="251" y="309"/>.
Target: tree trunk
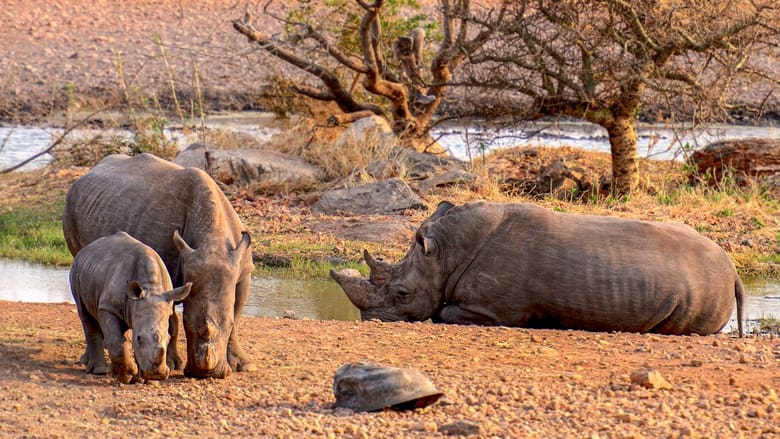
<point x="625" y="167"/>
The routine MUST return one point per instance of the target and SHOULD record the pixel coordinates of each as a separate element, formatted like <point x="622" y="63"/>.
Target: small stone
<point x="460" y="428"/>
<point x="650" y="378"/>
<point x="744" y="359"/>
<point x="427" y="427"/>
<point x="289" y="314"/>
<point x="696" y="363"/>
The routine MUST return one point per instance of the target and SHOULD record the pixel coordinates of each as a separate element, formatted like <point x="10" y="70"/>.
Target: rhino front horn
<point x="358" y="290"/>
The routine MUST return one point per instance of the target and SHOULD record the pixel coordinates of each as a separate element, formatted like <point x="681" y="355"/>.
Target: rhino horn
<point x="181" y="244"/>
<point x="380" y="270"/>
<point x="429" y="247"/>
<point x="359" y="291"/>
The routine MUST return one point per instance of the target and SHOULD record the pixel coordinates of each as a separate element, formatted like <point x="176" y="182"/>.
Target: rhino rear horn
<point x="429" y="247"/>
<point x="181" y="244"/>
<point x="380" y="270"/>
<point x="241" y="247"/>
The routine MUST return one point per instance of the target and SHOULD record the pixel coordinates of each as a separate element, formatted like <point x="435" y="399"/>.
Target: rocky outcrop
<point x="244" y="167"/>
<point x="742" y="160"/>
<point x="382" y="197"/>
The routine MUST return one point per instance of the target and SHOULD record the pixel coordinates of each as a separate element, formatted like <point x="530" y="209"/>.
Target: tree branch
<point x="51" y="147"/>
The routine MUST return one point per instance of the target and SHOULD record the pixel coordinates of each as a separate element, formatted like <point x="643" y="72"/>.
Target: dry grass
<point x="336" y="155"/>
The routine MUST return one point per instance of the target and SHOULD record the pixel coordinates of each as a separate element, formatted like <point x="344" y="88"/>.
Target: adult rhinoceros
<point x="185" y="217"/>
<point x="523" y="265"/>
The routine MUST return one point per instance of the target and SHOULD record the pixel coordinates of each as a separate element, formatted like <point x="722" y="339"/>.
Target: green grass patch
<point x="307" y="269"/>
<point x="768" y="325"/>
<point x="34" y="234"/>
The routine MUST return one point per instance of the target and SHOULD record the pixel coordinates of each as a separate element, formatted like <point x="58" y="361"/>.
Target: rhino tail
<point x="739" y="294"/>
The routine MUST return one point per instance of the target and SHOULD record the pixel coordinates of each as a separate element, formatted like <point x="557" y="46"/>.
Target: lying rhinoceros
<point x="523" y="265"/>
<point x="185" y="217"/>
<point x="118" y="283"/>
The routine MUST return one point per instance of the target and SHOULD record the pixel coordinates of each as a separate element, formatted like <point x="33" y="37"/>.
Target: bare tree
<point x="600" y="60"/>
<point x="344" y="44"/>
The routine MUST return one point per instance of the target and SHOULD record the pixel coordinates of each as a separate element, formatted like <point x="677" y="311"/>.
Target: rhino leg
<point x="120" y="350"/>
<point x="237" y="358"/>
<point x="173" y="359"/>
<point x="454" y="314"/>
<point x="93" y="359"/>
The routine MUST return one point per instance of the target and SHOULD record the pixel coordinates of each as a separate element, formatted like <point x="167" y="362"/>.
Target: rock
<point x="744" y="157"/>
<point x="421" y="166"/>
<point x="451" y="178"/>
<point x="382" y="197"/>
<point x="460" y="428"/>
<point x="248" y="166"/>
<point x="372" y="130"/>
<point x="650" y="378"/>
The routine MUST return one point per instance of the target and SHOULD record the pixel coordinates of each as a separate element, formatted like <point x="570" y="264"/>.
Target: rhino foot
<point x="174" y="362"/>
<point x="97" y="366"/>
<point x="99" y="370"/>
<point x="238" y="360"/>
<point x="245" y="367"/>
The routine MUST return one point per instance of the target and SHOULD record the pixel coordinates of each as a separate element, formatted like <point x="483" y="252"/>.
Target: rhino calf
<point x="517" y="264"/>
<point x="121" y="284"/>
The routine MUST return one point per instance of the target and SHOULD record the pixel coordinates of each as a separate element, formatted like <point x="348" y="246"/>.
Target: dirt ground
<point x="498" y="382"/>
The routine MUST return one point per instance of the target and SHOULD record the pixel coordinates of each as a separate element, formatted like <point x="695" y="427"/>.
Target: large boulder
<point x="743" y="157"/>
<point x="382" y="197"/>
<point x="249" y="166"/>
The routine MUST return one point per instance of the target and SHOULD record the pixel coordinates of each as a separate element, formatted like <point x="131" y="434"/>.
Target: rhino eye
<point x="403" y="294"/>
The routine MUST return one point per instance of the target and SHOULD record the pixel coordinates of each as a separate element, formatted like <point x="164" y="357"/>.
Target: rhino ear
<point x="134" y="290"/>
<point x="181" y="244"/>
<point x="441" y="210"/>
<point x="178" y="294"/>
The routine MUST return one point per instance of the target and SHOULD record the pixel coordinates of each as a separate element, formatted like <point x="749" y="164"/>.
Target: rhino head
<point x="411" y="290"/>
<point x="213" y="269"/>
<point x="150" y="308"/>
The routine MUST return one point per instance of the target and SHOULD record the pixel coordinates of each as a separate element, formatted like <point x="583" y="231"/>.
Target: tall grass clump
<point x="336" y="156"/>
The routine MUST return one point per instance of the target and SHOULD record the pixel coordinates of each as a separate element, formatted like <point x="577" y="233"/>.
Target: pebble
<point x="460" y="428"/>
<point x="650" y="378"/>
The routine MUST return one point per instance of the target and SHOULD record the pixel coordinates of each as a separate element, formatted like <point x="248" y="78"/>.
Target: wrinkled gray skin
<point x="118" y="284"/>
<point x="185" y="217"/>
<point x="522" y="265"/>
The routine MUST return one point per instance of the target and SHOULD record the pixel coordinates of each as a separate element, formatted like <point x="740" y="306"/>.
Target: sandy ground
<point x="498" y="382"/>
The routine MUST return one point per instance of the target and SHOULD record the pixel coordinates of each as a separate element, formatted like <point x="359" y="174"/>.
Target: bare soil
<point x="498" y="382"/>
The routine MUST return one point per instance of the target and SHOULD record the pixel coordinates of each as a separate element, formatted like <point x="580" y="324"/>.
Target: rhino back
<point x="149" y="198"/>
<point x="542" y="268"/>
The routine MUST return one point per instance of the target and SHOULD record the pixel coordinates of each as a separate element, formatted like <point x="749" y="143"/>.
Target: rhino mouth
<point x="157" y="374"/>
